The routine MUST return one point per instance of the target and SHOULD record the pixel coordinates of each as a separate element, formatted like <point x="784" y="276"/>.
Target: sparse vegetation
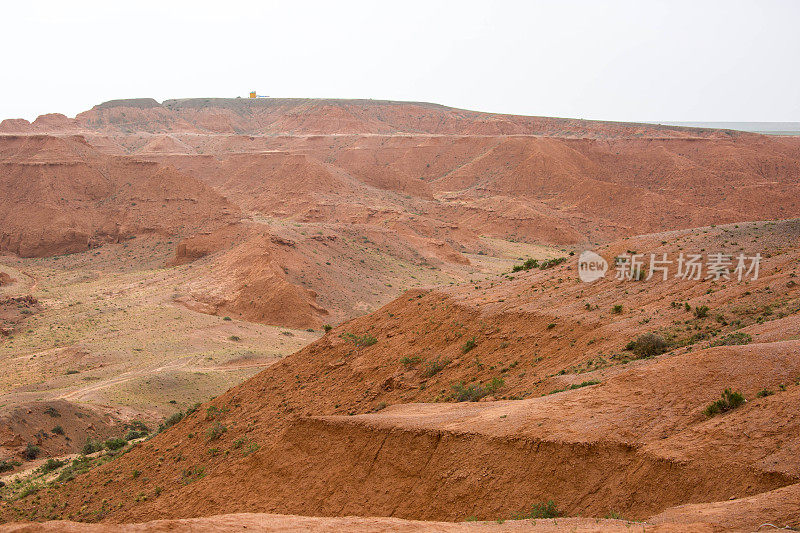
<point x="576" y="386"/>
<point x="91" y="447"/>
<point x="527" y="265"/>
<point x="648" y="345"/>
<point x="701" y="311"/>
<point x="57" y="430"/>
<point x="549" y="263"/>
<point x="616" y="309"/>
<point x="763" y="393"/>
<point x="216" y="431"/>
<point x="474" y="392"/>
<point x="733" y="339"/>
<point x="31" y="452"/>
<point x="114" y="444"/>
<point x="7" y="466"/>
<point x="539" y="510"/>
<point x="360" y="340"/>
<point x="469" y="345"/>
<point x="327" y="328"/>
<point x="433" y="367"/>
<point x="410" y="362"/>
<point x="730" y="400"/>
<point x="50" y="465"/>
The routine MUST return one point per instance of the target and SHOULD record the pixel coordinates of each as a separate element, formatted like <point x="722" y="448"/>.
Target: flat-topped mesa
<point x="332" y="116"/>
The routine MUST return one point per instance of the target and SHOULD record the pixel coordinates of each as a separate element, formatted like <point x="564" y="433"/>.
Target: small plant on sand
<point x="764" y="393"/>
<point x="730" y="400"/>
<point x="410" y="362"/>
<point x="50" y="465"/>
<point x="52" y="411"/>
<point x="58" y="430"/>
<point x="433" y="367"/>
<point x="616" y="309"/>
<point x="733" y="339"/>
<point x="539" y="510"/>
<point x="701" y="311"/>
<point x="327" y="328"/>
<point x="216" y="431"/>
<point x="469" y="345"/>
<point x="472" y="392"/>
<point x="360" y="340"/>
<point x="648" y="345"/>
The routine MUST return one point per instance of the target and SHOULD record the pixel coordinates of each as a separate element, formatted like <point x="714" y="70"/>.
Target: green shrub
<point x="50" y="465"/>
<point x="52" y="411"/>
<point x="434" y="366"/>
<point x="91" y="447"/>
<point x="135" y="434"/>
<point x="360" y="340"/>
<point x="31" y="452"/>
<point x="616" y="309"/>
<point x="540" y="510"/>
<point x="327" y="328"/>
<point x="173" y="419"/>
<point x="701" y="311"/>
<point x="472" y="392"/>
<point x="115" y="443"/>
<point x="226" y="318"/>
<point x="216" y="431"/>
<point x="648" y="345"/>
<point x="549" y="263"/>
<point x="764" y="393"/>
<point x="469" y="345"/>
<point x="58" y="430"/>
<point x="7" y="466"/>
<point x="733" y="339"/>
<point x="408" y="362"/>
<point x="527" y="265"/>
<point x="576" y="386"/>
<point x="730" y="400"/>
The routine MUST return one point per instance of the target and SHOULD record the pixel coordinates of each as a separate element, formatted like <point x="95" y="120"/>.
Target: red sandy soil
<point x="60" y="195"/>
<point x="301" y="212"/>
<point x="311" y="435"/>
<point x="284" y="523"/>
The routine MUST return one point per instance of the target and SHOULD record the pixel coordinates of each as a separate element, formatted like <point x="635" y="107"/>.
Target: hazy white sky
<point x="617" y="60"/>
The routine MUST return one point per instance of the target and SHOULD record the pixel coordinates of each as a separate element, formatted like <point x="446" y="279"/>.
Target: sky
<point x="670" y="60"/>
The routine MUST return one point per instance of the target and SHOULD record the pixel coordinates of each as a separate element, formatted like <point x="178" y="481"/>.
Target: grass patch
<point x="472" y="392"/>
<point x="547" y="509"/>
<point x="733" y="339"/>
<point x="576" y="386"/>
<point x="469" y="345"/>
<point x="434" y="366"/>
<point x="730" y="400"/>
<point x="360" y="340"/>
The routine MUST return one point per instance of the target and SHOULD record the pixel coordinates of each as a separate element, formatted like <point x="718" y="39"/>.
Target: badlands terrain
<point x="326" y="315"/>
